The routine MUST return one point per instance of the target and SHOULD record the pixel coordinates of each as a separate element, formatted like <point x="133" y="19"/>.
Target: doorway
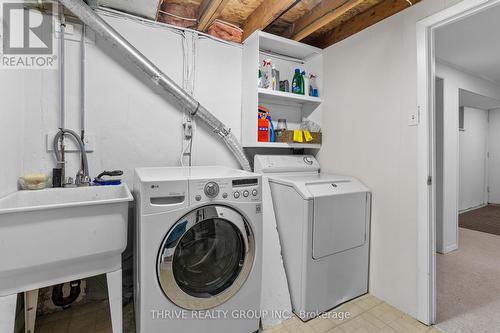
<point x="453" y="182"/>
<point x="467" y="91"/>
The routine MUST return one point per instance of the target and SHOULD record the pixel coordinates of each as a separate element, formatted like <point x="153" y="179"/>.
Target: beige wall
<point x="370" y="89"/>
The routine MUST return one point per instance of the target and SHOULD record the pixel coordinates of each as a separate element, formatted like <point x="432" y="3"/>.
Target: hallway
<point x="468" y="285"/>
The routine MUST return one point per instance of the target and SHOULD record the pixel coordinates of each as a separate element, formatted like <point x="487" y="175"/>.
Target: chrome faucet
<point x="82" y="177"/>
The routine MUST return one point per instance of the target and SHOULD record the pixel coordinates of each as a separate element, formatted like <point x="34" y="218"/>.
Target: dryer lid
<point x="321" y="185"/>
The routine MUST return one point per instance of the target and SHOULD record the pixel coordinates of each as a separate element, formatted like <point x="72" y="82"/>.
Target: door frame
<point x="426" y="164"/>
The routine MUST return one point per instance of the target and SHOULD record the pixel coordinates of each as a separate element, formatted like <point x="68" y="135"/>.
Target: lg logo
<point x="26" y="31"/>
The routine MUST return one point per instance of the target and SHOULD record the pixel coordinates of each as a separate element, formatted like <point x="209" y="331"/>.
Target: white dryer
<point x="323" y="222"/>
<point x="197" y="250"/>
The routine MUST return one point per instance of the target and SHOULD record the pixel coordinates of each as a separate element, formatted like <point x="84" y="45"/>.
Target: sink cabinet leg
<point x="7" y="313"/>
<point x="115" y="299"/>
<point x="30" y="305"/>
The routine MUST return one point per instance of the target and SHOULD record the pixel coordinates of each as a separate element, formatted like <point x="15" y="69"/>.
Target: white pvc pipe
<point x="83" y="81"/>
<point x="62" y="58"/>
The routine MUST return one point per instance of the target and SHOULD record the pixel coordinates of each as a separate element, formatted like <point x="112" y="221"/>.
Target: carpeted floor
<point x="485" y="219"/>
<point x="468" y="285"/>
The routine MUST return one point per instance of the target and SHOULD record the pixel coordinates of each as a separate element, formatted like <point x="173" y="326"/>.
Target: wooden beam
<point x="360" y="22"/>
<point x="209" y="11"/>
<point x="265" y="14"/>
<point x="327" y="12"/>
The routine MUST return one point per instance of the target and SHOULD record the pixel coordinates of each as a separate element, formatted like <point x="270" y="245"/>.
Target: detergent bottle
<point x="265" y="128"/>
<point x="298" y="83"/>
<point x="263" y="125"/>
<point x="272" y="137"/>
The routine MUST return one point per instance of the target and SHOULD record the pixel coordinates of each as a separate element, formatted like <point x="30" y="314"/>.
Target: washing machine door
<point x="206" y="257"/>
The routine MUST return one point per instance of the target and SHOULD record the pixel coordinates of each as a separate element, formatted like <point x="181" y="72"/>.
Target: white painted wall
<point x="454" y="80"/>
<point x="473" y="144"/>
<point x="135" y="126"/>
<point x="370" y="89"/>
<point x="11" y="129"/>
<point x="12" y="99"/>
<point x="494" y="160"/>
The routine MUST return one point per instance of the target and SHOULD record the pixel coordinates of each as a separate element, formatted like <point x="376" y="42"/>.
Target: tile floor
<point x="367" y="314"/>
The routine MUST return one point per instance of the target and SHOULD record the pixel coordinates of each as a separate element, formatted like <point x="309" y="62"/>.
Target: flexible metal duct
<point x="172" y="90"/>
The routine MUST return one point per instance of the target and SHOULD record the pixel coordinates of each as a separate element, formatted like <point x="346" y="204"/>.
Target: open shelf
<point x="287" y="56"/>
<point x="287" y="47"/>
<point x="293" y="145"/>
<point x="280" y="96"/>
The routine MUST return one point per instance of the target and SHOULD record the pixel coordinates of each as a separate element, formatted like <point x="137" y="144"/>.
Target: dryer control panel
<point x="230" y="190"/>
<point x="285" y="163"/>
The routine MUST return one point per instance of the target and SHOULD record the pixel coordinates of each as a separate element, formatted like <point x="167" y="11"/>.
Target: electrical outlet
<point x="74" y="33"/>
<point x="70" y="144"/>
<point x="188" y="130"/>
<point x="68" y="31"/>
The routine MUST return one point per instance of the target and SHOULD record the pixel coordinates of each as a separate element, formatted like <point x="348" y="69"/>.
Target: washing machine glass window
<point x="206" y="257"/>
<point x="209" y="258"/>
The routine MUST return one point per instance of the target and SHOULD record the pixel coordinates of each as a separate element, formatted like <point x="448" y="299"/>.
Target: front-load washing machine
<point x="197" y="250"/>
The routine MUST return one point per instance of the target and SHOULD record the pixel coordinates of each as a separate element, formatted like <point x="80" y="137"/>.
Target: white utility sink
<point x="58" y="235"/>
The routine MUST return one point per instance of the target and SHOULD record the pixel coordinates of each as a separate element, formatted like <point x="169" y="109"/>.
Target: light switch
<point x="414" y="117"/>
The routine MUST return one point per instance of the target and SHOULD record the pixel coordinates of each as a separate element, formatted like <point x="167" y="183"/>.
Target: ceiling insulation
<point x="320" y="23"/>
<point x="237" y="11"/>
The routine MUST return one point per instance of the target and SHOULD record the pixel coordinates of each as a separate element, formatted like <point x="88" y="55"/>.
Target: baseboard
<point x="472" y="208"/>
<point x="448" y="249"/>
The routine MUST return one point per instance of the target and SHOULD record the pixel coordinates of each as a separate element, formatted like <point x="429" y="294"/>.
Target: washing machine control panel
<point x="241" y="190"/>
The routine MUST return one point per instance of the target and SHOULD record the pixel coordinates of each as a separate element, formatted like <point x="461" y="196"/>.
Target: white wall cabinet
<point x="286" y="55"/>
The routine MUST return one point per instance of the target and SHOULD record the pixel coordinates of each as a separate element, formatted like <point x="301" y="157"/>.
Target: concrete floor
<point x="92" y="317"/>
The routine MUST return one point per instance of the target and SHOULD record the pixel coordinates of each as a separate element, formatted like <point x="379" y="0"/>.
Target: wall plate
<point x="414" y="117"/>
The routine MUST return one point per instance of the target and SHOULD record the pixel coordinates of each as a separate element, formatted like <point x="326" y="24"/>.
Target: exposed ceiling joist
<point x="265" y="14"/>
<point x="209" y="11"/>
<point x="327" y="12"/>
<point x="362" y="21"/>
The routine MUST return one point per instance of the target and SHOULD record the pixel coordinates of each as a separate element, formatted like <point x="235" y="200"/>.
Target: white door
<point x="494" y="160"/>
<point x="473" y="157"/>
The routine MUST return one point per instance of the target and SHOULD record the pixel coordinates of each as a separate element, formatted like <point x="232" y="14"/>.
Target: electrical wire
<point x="189" y="53"/>
<point x="160" y="25"/>
<point x="178" y="17"/>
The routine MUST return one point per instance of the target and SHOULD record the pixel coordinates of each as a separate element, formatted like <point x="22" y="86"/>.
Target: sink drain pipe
<point x="58" y="297"/>
<point x="171" y="89"/>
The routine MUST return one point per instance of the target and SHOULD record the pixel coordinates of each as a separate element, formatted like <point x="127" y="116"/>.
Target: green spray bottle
<point x="298" y="83"/>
